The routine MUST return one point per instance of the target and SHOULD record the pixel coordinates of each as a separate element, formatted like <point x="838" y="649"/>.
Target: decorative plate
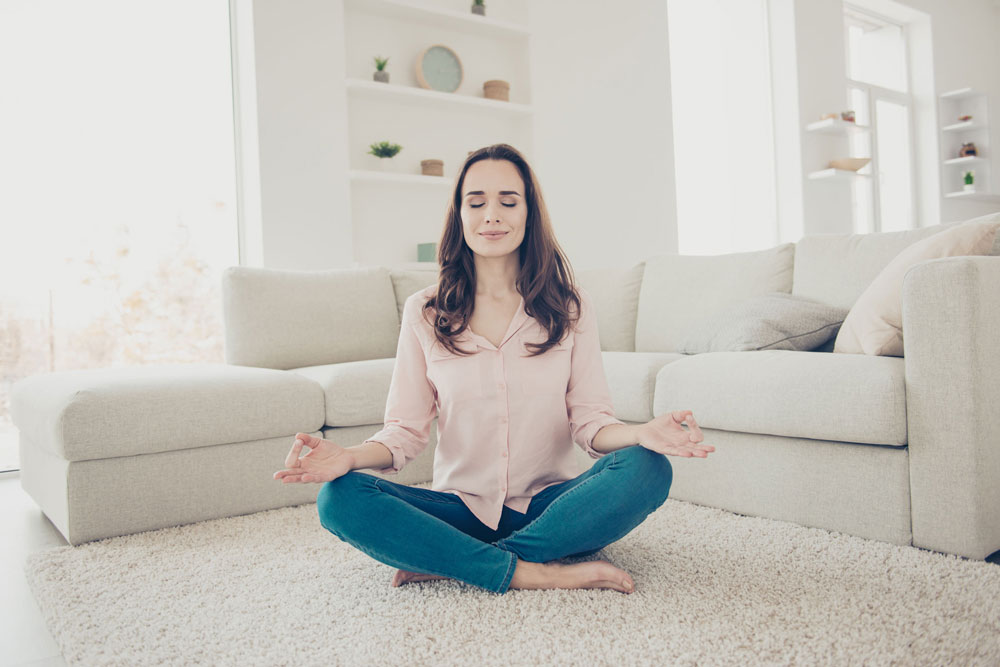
<point x="439" y="68"/>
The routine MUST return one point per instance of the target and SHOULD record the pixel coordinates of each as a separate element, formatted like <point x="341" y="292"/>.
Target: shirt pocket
<point x="456" y="377"/>
<point x="548" y="373"/>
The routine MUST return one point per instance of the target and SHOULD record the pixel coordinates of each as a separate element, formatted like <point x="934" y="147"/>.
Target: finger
<point x="695" y="429"/>
<point x="290" y="479"/>
<point x="292" y="460"/>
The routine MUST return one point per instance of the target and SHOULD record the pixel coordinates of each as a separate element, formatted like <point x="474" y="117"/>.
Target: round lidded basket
<point x="496" y="89"/>
<point x="432" y="167"/>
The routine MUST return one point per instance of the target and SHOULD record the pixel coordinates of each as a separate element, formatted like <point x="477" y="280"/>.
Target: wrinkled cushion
<point x="678" y="290"/>
<point x="774" y="321"/>
<point x="874" y="324"/>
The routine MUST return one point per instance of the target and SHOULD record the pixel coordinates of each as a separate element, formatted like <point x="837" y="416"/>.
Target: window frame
<point x="872" y="94"/>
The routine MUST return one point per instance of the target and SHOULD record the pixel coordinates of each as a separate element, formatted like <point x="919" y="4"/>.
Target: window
<point x="118" y="214"/>
<point x="723" y="127"/>
<point x="878" y="91"/>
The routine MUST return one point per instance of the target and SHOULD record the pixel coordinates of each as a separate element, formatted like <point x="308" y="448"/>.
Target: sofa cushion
<point x="103" y="413"/>
<point x="837" y="268"/>
<point x="875" y="322"/>
<point x="631" y="378"/>
<point x="355" y="392"/>
<point x="406" y="282"/>
<point x="283" y="318"/>
<point x="837" y="397"/>
<point x="615" y="293"/>
<point x="679" y="290"/>
<point x="775" y="321"/>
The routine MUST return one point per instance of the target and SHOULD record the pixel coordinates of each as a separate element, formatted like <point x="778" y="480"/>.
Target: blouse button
<point x="504" y="454"/>
<point x="503" y="418"/>
<point x="502" y="386"/>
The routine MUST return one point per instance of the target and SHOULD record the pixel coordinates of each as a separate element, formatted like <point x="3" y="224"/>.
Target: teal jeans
<point x="433" y="532"/>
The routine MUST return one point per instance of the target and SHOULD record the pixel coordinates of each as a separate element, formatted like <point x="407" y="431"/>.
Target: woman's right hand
<point x="324" y="463"/>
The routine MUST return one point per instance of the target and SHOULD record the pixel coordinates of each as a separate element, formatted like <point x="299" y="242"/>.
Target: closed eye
<point x="481" y="205"/>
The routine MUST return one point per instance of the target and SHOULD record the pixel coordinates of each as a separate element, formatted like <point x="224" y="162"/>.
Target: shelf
<point x="961" y="127"/>
<point x="960" y="94"/>
<point x="835" y="175"/>
<point x="466" y="22"/>
<point x="835" y="126"/>
<point x="388" y="91"/>
<point x="969" y="159"/>
<point x="981" y="196"/>
<point x="363" y="175"/>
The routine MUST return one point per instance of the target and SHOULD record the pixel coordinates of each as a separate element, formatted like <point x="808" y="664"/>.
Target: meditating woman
<point x="504" y="350"/>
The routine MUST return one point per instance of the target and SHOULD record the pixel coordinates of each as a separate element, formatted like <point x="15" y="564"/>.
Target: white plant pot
<point x="969" y="187"/>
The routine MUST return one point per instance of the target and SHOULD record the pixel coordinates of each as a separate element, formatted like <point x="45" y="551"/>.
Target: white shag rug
<point x="712" y="588"/>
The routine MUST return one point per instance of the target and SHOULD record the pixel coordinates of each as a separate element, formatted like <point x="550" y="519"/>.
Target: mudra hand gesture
<point x="325" y="462"/>
<point x="665" y="435"/>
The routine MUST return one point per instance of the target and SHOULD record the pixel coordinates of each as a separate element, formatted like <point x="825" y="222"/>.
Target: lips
<point x="493" y="236"/>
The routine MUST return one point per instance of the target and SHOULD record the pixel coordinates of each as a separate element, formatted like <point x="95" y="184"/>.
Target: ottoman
<point x="108" y="452"/>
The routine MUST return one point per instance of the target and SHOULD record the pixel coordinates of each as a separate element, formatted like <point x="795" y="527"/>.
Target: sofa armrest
<point x="951" y="320"/>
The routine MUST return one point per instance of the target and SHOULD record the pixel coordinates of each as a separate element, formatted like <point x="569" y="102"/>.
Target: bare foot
<point x="590" y="574"/>
<point x="404" y="576"/>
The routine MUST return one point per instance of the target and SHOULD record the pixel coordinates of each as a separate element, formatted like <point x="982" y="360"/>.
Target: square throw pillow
<point x="772" y="321"/>
<point x="874" y="324"/>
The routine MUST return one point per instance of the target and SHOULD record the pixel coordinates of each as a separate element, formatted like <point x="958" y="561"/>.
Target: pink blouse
<point x="506" y="422"/>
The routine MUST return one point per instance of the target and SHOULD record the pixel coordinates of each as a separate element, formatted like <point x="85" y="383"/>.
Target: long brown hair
<point x="545" y="279"/>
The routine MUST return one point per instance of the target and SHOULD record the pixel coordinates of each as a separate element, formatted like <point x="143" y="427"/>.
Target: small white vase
<point x="969" y="187"/>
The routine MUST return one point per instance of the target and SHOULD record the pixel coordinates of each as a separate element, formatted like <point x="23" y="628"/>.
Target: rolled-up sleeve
<point x="410" y="408"/>
<point x="588" y="399"/>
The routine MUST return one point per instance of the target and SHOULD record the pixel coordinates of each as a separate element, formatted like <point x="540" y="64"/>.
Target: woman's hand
<point x="326" y="462"/>
<point x="665" y="435"/>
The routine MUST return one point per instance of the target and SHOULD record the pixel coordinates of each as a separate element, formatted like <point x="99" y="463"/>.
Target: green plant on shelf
<point x="384" y="149"/>
<point x="970" y="176"/>
<point x="380" y="63"/>
<point x="479" y="3"/>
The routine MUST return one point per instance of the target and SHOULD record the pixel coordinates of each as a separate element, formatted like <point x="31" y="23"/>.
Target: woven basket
<point x="432" y="167"/>
<point x="496" y="89"/>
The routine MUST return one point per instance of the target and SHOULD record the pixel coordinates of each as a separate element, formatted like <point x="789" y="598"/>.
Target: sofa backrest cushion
<point x="679" y="291"/>
<point x="837" y="268"/>
<point x="285" y="318"/>
<point x="615" y="293"/>
<point x="407" y="282"/>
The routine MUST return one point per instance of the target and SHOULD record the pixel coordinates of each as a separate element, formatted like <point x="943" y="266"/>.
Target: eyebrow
<point x="503" y="192"/>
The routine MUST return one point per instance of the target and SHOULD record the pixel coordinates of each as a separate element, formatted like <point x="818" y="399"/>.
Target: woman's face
<point x="493" y="201"/>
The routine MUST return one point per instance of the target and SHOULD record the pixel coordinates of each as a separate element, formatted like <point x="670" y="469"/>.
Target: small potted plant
<point x="478" y="7"/>
<point x="380" y="73"/>
<point x="969" y="178"/>
<point x="384" y="150"/>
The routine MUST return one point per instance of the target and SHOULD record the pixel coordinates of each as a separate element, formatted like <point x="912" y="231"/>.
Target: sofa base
<point x="861" y="490"/>
<point x="100" y="498"/>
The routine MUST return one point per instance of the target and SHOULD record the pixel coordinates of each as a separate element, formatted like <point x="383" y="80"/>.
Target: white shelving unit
<point x="954" y="132"/>
<point x="394" y="207"/>
<point x="837" y="127"/>
<point x="836" y="175"/>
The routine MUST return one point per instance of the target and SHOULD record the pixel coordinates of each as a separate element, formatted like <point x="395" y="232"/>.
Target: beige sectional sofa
<point x="904" y="450"/>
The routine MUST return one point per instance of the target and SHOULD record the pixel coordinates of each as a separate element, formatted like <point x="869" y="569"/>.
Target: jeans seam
<point x="555" y="500"/>
<point x="508" y="575"/>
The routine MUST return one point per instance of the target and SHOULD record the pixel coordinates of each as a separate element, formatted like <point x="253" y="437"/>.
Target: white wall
<point x="603" y="137"/>
<point x="603" y="147"/>
<point x="301" y="146"/>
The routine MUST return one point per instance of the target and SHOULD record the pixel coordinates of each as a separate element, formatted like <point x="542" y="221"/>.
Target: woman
<point x="504" y="350"/>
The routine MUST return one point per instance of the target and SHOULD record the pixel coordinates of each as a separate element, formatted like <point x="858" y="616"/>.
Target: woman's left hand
<point x="665" y="435"/>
